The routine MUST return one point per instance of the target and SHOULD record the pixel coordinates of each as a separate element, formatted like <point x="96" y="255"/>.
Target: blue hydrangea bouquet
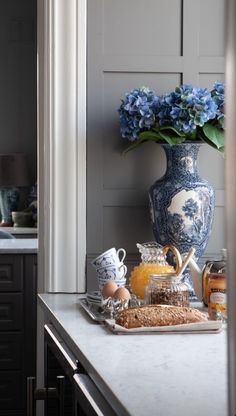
<point x="187" y="113"/>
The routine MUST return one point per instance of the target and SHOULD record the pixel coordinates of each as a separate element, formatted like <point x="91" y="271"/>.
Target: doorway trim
<point x="62" y="34"/>
<point x="230" y="180"/>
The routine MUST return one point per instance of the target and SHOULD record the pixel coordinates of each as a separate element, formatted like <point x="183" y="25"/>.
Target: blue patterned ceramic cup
<point x="112" y="272"/>
<point x="109" y="258"/>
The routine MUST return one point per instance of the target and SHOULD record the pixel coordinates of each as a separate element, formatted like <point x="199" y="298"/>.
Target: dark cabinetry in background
<point x="28" y="235"/>
<point x="18" y="291"/>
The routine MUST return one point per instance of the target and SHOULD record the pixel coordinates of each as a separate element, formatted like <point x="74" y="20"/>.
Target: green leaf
<point x="143" y="137"/>
<point x="222" y="150"/>
<point x="214" y="134"/>
<point x="171" y="139"/>
<point x="179" y="133"/>
<point x="149" y="135"/>
<point x="210" y="143"/>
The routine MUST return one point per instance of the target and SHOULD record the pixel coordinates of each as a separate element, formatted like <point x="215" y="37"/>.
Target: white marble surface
<point x="145" y="375"/>
<point x="19" y="245"/>
<point x="21" y="230"/>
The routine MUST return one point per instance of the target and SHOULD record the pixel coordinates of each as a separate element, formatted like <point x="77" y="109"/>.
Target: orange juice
<point x="139" y="277"/>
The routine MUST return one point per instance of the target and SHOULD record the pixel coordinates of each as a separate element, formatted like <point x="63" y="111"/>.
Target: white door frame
<point x="62" y="37"/>
<point x="230" y="179"/>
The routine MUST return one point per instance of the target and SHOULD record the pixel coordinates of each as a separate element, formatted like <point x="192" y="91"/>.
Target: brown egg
<point x="109" y="289"/>
<point x="122" y="294"/>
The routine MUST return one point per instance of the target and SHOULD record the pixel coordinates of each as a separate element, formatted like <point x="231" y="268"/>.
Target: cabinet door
<point x="11" y="273"/>
<point x="18" y="322"/>
<point x="30" y="313"/>
<point x="11" y="388"/>
<point x="82" y="398"/>
<point x="11" y="351"/>
<point x="59" y="361"/>
<point x="11" y="311"/>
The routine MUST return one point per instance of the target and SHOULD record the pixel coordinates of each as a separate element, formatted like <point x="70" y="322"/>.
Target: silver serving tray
<point x="93" y="310"/>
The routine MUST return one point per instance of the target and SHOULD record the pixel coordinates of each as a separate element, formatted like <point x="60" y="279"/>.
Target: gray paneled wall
<point x="18" y="79"/>
<point x="160" y="44"/>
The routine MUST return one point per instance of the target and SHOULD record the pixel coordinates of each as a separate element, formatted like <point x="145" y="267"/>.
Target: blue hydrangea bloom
<point x="218" y="96"/>
<point x="137" y="112"/>
<point x="186" y="108"/>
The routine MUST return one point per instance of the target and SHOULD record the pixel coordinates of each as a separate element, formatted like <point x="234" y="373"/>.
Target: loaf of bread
<point x="158" y="315"/>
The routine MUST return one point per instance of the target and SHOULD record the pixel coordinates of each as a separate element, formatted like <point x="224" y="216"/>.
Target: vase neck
<point x="182" y="158"/>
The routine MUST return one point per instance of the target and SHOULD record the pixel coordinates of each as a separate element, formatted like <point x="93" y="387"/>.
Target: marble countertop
<point x="21" y="230"/>
<point x="174" y="375"/>
<point x="18" y="245"/>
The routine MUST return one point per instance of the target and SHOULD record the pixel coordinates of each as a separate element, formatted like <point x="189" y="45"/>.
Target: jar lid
<point x="167" y="277"/>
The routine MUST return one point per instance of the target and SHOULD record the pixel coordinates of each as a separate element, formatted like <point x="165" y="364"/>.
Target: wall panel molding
<point x="132" y="198"/>
<point x="117" y="206"/>
<point x="147" y="63"/>
<point x="211" y="65"/>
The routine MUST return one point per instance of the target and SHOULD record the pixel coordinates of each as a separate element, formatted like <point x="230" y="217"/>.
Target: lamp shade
<point x="14" y="170"/>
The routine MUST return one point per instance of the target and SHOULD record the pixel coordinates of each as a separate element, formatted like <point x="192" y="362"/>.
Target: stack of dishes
<point x="110" y="266"/>
<point x="94" y="297"/>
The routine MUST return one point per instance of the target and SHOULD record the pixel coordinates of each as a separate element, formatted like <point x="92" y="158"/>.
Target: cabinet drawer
<point x="11" y="311"/>
<point x="11" y="273"/>
<point x="11" y="351"/>
<point x="11" y="390"/>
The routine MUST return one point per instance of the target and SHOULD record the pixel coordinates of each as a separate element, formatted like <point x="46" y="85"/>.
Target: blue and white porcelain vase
<point x="182" y="203"/>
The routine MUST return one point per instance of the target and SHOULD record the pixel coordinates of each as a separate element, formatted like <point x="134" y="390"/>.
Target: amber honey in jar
<point x="217" y="302"/>
<point x="212" y="266"/>
<point x="205" y="275"/>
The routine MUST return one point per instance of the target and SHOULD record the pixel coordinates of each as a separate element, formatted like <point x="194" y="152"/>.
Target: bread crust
<point x="158" y="315"/>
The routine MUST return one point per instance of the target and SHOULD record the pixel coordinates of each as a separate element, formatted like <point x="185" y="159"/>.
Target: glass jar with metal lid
<point x="166" y="290"/>
<point x="212" y="266"/>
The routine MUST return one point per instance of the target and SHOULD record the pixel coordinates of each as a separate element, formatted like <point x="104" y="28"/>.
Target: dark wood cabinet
<point x="80" y="397"/>
<point x="18" y="291"/>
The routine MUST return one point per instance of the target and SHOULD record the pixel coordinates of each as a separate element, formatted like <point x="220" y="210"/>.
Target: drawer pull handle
<point x="89" y="396"/>
<point x="44" y="393"/>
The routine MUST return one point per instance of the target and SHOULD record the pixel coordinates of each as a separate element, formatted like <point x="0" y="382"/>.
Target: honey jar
<point x="217" y="302"/>
<point x="212" y="266"/>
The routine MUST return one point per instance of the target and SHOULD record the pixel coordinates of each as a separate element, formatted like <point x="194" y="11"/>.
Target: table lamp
<point x="13" y="175"/>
